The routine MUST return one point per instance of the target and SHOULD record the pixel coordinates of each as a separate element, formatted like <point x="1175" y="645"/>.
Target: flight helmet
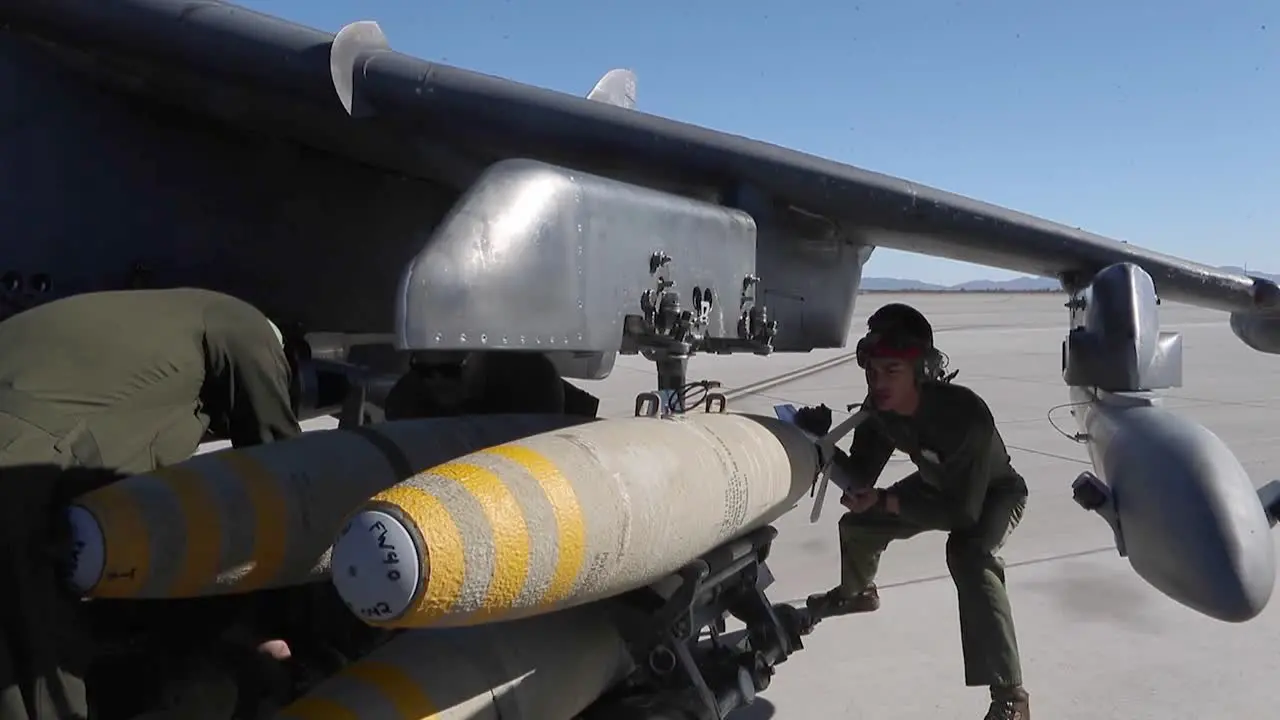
<point x="900" y="331"/>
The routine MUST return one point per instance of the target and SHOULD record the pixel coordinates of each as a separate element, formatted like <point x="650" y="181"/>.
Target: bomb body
<point x="262" y="517"/>
<point x="549" y="667"/>
<point x="1184" y="510"/>
<point x="566" y="517"/>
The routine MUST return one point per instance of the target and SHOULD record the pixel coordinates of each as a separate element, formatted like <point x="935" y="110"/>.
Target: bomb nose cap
<point x="376" y="569"/>
<point x="89" y="553"/>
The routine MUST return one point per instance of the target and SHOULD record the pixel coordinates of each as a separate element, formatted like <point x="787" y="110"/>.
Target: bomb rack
<point x="688" y="666"/>
<point x="668" y="333"/>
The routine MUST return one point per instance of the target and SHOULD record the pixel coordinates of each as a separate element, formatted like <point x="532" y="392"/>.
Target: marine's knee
<point x="865" y="530"/>
<point x="871" y="521"/>
<point x="852" y="522"/>
<point x="967" y="554"/>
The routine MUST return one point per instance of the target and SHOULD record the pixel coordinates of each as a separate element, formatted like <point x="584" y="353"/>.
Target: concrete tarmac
<point x="1097" y="642"/>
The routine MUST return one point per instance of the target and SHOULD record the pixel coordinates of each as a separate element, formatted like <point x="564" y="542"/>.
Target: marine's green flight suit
<point x="121" y="382"/>
<point x="965" y="485"/>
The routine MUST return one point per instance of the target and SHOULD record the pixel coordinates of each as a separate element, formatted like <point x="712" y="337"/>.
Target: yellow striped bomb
<point x="566" y="517"/>
<point x="235" y="521"/>
<point x="551" y="667"/>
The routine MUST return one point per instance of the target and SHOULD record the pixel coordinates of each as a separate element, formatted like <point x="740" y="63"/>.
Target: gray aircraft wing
<point x="352" y="94"/>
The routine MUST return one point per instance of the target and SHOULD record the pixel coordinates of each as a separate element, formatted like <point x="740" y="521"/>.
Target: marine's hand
<point x="861" y="500"/>
<point x="815" y="420"/>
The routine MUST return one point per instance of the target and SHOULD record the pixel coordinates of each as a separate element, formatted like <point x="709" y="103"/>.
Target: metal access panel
<point x="539" y="257"/>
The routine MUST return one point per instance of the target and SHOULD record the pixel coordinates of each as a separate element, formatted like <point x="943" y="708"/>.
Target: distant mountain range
<point x="1025" y="284"/>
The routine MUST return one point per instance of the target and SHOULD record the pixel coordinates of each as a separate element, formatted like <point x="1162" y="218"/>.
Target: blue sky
<point x="1152" y="122"/>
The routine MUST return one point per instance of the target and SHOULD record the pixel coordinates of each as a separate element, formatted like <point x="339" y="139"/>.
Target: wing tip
<point x="1266" y="294"/>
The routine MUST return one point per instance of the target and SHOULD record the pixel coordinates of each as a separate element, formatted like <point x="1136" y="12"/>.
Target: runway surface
<point x="1097" y="642"/>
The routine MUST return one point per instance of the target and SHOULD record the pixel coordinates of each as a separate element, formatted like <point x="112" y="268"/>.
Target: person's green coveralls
<point x="964" y="485"/>
<point x="94" y="387"/>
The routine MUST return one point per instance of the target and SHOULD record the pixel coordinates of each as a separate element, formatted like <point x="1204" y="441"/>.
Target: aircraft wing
<point x="352" y="94"/>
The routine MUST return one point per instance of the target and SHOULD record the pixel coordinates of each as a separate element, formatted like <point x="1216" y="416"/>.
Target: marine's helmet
<point x="900" y="331"/>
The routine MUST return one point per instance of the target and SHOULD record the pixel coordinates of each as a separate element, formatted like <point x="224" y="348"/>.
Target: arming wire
<point x="681" y="400"/>
<point x="1074" y="437"/>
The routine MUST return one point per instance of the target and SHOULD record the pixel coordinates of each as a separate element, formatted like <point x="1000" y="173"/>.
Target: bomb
<point x="236" y="521"/>
<point x="542" y="668"/>
<point x="566" y="517"/>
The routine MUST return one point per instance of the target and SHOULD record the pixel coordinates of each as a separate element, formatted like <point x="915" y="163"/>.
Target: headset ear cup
<point x="929" y="365"/>
<point x="938" y="364"/>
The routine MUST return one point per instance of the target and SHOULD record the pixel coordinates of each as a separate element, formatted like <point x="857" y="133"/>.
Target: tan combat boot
<point x="834" y="602"/>
<point x="1009" y="704"/>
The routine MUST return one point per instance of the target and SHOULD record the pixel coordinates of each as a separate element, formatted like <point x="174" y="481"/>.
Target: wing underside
<point x="352" y="95"/>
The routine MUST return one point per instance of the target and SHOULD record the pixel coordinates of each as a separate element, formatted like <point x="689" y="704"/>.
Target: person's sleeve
<point x="244" y="350"/>
<point x="869" y="452"/>
<point x="966" y="474"/>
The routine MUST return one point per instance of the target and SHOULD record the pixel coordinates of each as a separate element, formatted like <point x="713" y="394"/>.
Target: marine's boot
<point x="836" y="602"/>
<point x="1009" y="704"/>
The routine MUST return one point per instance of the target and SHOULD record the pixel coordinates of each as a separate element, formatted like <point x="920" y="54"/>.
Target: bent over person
<point x="103" y="385"/>
<point x="964" y="485"/>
